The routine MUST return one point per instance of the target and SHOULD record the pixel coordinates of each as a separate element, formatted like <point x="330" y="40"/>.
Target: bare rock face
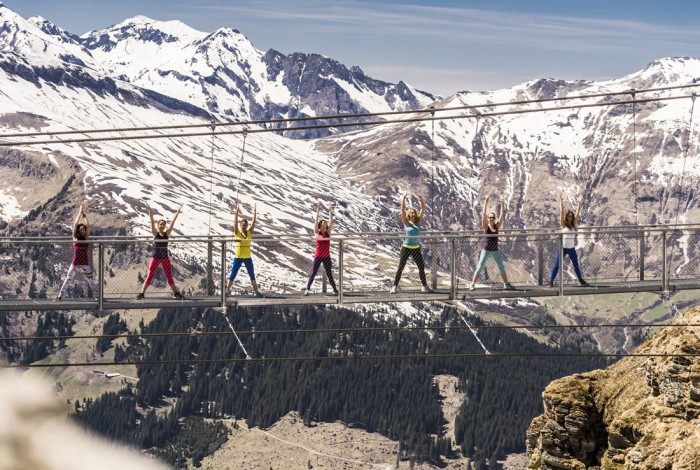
<point x="640" y="413"/>
<point x="35" y="433"/>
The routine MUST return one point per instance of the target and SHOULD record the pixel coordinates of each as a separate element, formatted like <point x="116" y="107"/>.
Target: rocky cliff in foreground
<point x="640" y="413"/>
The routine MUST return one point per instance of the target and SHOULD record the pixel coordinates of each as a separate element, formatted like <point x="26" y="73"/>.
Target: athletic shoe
<point x="508" y="286"/>
<point x="335" y="291"/>
<point x="392" y="290"/>
<point x="178" y="295"/>
<point x="139" y="296"/>
<point x="472" y="287"/>
<point x="427" y="289"/>
<point x="257" y="294"/>
<point x="306" y="291"/>
<point x="550" y="284"/>
<point x="583" y="283"/>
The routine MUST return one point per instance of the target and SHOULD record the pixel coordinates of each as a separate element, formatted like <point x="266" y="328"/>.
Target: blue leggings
<point x="571" y="252"/>
<point x="237" y="262"/>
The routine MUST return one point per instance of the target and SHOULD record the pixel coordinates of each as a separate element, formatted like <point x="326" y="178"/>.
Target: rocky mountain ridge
<point x="640" y="413"/>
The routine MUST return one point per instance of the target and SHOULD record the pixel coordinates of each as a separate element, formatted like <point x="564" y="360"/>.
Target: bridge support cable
<point x="471" y="329"/>
<point x="433" y="215"/>
<point x="633" y="92"/>
<point x="240" y="343"/>
<point x="240" y="168"/>
<point x="682" y="182"/>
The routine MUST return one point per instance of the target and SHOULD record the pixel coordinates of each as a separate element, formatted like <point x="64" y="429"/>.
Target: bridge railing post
<point x="433" y="263"/>
<point x="664" y="262"/>
<point x="642" y="248"/>
<point x="453" y="273"/>
<point x="210" y="266"/>
<point x="540" y="262"/>
<point x="223" y="274"/>
<point x="561" y="264"/>
<point x="341" y="269"/>
<point x="100" y="275"/>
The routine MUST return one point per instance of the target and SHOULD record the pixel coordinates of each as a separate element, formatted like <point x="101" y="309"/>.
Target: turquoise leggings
<point x="496" y="255"/>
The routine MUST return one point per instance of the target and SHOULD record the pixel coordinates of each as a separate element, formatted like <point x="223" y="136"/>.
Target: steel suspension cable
<point x="346" y="116"/>
<point x="211" y="174"/>
<point x="682" y="182"/>
<point x="350" y="330"/>
<point x="240" y="171"/>
<point x="411" y="357"/>
<point x="324" y="126"/>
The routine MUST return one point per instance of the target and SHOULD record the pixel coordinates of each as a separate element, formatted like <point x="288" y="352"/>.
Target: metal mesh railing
<point x="36" y="268"/>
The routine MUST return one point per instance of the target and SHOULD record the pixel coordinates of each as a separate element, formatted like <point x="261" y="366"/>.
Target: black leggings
<point x="415" y="253"/>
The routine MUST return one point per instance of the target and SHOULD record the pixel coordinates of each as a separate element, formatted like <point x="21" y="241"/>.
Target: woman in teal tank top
<point x="411" y="246"/>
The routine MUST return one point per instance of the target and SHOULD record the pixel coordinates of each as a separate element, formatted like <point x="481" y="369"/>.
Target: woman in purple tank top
<point x="80" y="265"/>
<point x="491" y="226"/>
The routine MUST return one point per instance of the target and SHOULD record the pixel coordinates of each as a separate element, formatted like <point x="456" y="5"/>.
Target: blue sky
<point x="442" y="46"/>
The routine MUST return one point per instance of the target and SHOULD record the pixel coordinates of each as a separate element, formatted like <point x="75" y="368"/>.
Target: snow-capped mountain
<point x="221" y="72"/>
<point x="606" y="153"/>
<point x="37" y="37"/>
<point x="225" y="74"/>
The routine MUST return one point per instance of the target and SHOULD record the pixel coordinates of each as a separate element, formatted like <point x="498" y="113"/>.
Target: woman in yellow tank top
<point x="243" y="235"/>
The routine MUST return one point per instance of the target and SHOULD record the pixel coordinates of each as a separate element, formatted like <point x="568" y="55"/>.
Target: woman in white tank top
<point x="568" y="221"/>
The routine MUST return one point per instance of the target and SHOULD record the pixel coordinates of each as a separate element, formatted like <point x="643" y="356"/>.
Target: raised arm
<point x="579" y="203"/>
<point x="255" y="217"/>
<point x="154" y="231"/>
<point x="502" y="212"/>
<point x="404" y="219"/>
<point x="87" y="224"/>
<point x="318" y="210"/>
<point x="484" y="214"/>
<point x="422" y="207"/>
<point x="330" y="217"/>
<point x="562" y="214"/>
<point x="172" y="223"/>
<point x="235" y="221"/>
<point x="77" y="218"/>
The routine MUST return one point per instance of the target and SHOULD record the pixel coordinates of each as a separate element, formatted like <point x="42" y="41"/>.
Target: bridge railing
<point x="363" y="264"/>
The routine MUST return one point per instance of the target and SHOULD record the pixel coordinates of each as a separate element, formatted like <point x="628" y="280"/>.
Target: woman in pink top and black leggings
<point x="81" y="257"/>
<point x="322" y="230"/>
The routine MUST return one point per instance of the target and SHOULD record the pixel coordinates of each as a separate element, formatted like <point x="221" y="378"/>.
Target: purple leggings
<point x="328" y="266"/>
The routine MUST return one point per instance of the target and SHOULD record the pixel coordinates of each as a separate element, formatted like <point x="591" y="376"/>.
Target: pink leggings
<point x="167" y="269"/>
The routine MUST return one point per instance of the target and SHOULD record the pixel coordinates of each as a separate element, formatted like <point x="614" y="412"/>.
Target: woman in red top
<point x="322" y="230"/>
<point x="80" y="266"/>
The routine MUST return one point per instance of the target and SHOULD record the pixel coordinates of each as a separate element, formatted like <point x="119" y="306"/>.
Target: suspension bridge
<point x="620" y="259"/>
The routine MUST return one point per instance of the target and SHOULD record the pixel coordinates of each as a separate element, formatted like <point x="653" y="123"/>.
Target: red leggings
<point x="167" y="269"/>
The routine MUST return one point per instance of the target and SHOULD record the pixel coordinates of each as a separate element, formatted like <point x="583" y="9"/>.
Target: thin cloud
<point x="459" y="25"/>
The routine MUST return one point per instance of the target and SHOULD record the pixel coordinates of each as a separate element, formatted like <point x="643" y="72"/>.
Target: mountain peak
<point x="173" y="28"/>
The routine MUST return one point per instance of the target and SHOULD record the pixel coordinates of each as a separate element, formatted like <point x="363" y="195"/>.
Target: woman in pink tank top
<point x="322" y="231"/>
